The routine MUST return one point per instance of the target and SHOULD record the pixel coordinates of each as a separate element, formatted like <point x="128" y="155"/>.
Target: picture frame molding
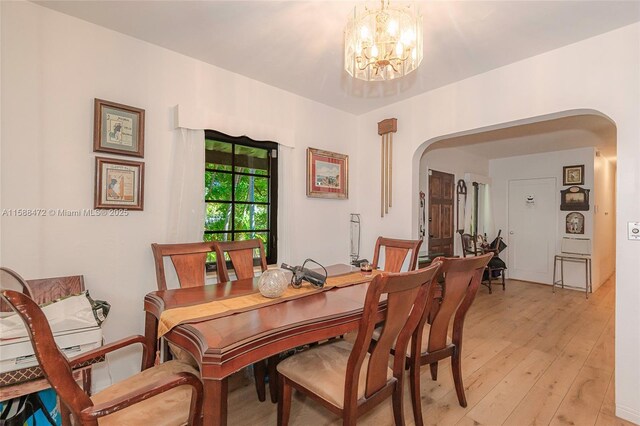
<point x="99" y="185"/>
<point x="97" y="128"/>
<point x="567" y="169"/>
<point x="581" y="223"/>
<point x="566" y="205"/>
<point x="313" y="193"/>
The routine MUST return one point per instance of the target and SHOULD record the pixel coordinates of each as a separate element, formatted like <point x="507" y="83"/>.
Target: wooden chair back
<point x="407" y="294"/>
<point x="11" y="280"/>
<point x="462" y="278"/>
<point x="189" y="261"/>
<point x="241" y="256"/>
<point x="53" y="363"/>
<point x="467" y="245"/>
<point x="395" y="252"/>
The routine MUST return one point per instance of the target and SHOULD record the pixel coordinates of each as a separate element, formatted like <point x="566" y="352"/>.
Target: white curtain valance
<point x="188" y="117"/>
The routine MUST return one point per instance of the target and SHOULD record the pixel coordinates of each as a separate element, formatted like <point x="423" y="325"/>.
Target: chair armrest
<point x="179" y="379"/>
<point x="105" y="349"/>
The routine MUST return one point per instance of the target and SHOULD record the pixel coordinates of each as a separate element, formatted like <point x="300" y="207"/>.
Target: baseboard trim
<point x="627" y="413"/>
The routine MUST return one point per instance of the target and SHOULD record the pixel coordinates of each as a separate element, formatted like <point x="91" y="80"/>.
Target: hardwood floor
<point x="531" y="357"/>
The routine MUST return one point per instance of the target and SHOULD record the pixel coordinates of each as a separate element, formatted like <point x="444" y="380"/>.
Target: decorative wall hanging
<point x="386" y="129"/>
<point x="327" y="174"/>
<point x="574" y="198"/>
<point x="461" y="197"/>
<point x="573" y="175"/>
<point x="119" y="184"/>
<point x="575" y="223"/>
<point x="118" y="129"/>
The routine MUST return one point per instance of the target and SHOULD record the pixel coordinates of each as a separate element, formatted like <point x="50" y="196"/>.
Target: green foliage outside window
<point x="237" y="205"/>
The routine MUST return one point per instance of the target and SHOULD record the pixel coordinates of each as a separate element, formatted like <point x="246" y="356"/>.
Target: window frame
<point x="271" y="247"/>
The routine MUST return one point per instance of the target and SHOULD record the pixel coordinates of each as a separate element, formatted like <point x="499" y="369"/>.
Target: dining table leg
<point x="150" y="339"/>
<point x="215" y="402"/>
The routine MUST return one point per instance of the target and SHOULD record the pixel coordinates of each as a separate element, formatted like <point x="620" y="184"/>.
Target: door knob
<point x="510" y="232"/>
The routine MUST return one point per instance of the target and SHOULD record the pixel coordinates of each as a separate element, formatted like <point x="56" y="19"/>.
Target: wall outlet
<point x="634" y="231"/>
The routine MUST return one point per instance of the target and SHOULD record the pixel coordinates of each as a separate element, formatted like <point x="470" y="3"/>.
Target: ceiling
<point x="298" y="45"/>
<point x="560" y="134"/>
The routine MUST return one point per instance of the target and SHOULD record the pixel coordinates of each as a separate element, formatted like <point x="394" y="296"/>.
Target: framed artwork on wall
<point x="573" y="175"/>
<point x="118" y="129"/>
<point x="574" y="198"/>
<point x="327" y="174"/>
<point x="575" y="223"/>
<point x="119" y="184"/>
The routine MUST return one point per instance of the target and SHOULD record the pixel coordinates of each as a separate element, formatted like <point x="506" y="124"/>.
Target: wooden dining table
<point x="224" y="345"/>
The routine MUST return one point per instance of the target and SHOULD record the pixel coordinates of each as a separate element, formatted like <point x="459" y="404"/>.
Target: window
<point x="241" y="191"/>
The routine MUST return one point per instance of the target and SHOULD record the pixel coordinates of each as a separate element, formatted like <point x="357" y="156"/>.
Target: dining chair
<point x="241" y="255"/>
<point x="189" y="261"/>
<point x="395" y="253"/>
<point x="10" y="280"/>
<point x="496" y="268"/>
<point x="345" y="377"/>
<point x="430" y="342"/>
<point x="170" y="393"/>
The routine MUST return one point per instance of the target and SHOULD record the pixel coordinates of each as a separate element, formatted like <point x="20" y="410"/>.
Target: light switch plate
<point x="634" y="231"/>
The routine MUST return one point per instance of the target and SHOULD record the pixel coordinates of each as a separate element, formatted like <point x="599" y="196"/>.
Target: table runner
<point x="246" y="302"/>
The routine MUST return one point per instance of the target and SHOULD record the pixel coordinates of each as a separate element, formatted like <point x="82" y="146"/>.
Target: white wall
<point x="604" y="220"/>
<point x="457" y="162"/>
<point x="600" y="74"/>
<point x="545" y="165"/>
<point x="53" y="66"/>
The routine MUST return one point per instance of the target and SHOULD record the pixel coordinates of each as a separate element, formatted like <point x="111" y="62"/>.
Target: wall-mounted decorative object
<point x="575" y="223"/>
<point x="573" y="175"/>
<point x="118" y="129"/>
<point x="386" y="129"/>
<point x="574" y="198"/>
<point x="119" y="184"/>
<point x="327" y="174"/>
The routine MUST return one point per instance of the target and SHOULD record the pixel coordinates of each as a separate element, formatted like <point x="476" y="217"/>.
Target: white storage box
<point x="74" y="327"/>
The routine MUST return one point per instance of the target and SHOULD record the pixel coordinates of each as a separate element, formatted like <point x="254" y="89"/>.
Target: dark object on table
<point x="300" y="273"/>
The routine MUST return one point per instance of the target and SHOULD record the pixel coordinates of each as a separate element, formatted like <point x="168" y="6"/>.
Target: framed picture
<point x="573" y="175"/>
<point x="574" y="198"/>
<point x="118" y="129"/>
<point x="575" y="223"/>
<point x="119" y="184"/>
<point x="327" y="174"/>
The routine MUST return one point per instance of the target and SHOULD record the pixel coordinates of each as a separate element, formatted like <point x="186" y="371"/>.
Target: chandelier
<point x="384" y="43"/>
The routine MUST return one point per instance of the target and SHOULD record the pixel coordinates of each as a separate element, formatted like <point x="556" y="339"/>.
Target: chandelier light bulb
<point x="399" y="49"/>
<point x="383" y="42"/>
<point x="374" y="51"/>
<point x="364" y="33"/>
<point x="393" y="27"/>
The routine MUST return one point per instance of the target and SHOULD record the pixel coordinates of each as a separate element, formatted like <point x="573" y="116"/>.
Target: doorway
<point x="532" y="225"/>
<point x="441" y="190"/>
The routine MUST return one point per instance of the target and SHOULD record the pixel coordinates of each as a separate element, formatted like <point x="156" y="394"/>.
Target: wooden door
<point x="532" y="236"/>
<point x="441" y="195"/>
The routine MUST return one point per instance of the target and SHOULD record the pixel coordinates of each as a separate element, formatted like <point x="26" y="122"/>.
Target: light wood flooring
<point x="531" y="357"/>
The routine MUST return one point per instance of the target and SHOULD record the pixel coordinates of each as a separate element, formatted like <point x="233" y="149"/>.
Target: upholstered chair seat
<point x="169" y="408"/>
<point x="322" y="370"/>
